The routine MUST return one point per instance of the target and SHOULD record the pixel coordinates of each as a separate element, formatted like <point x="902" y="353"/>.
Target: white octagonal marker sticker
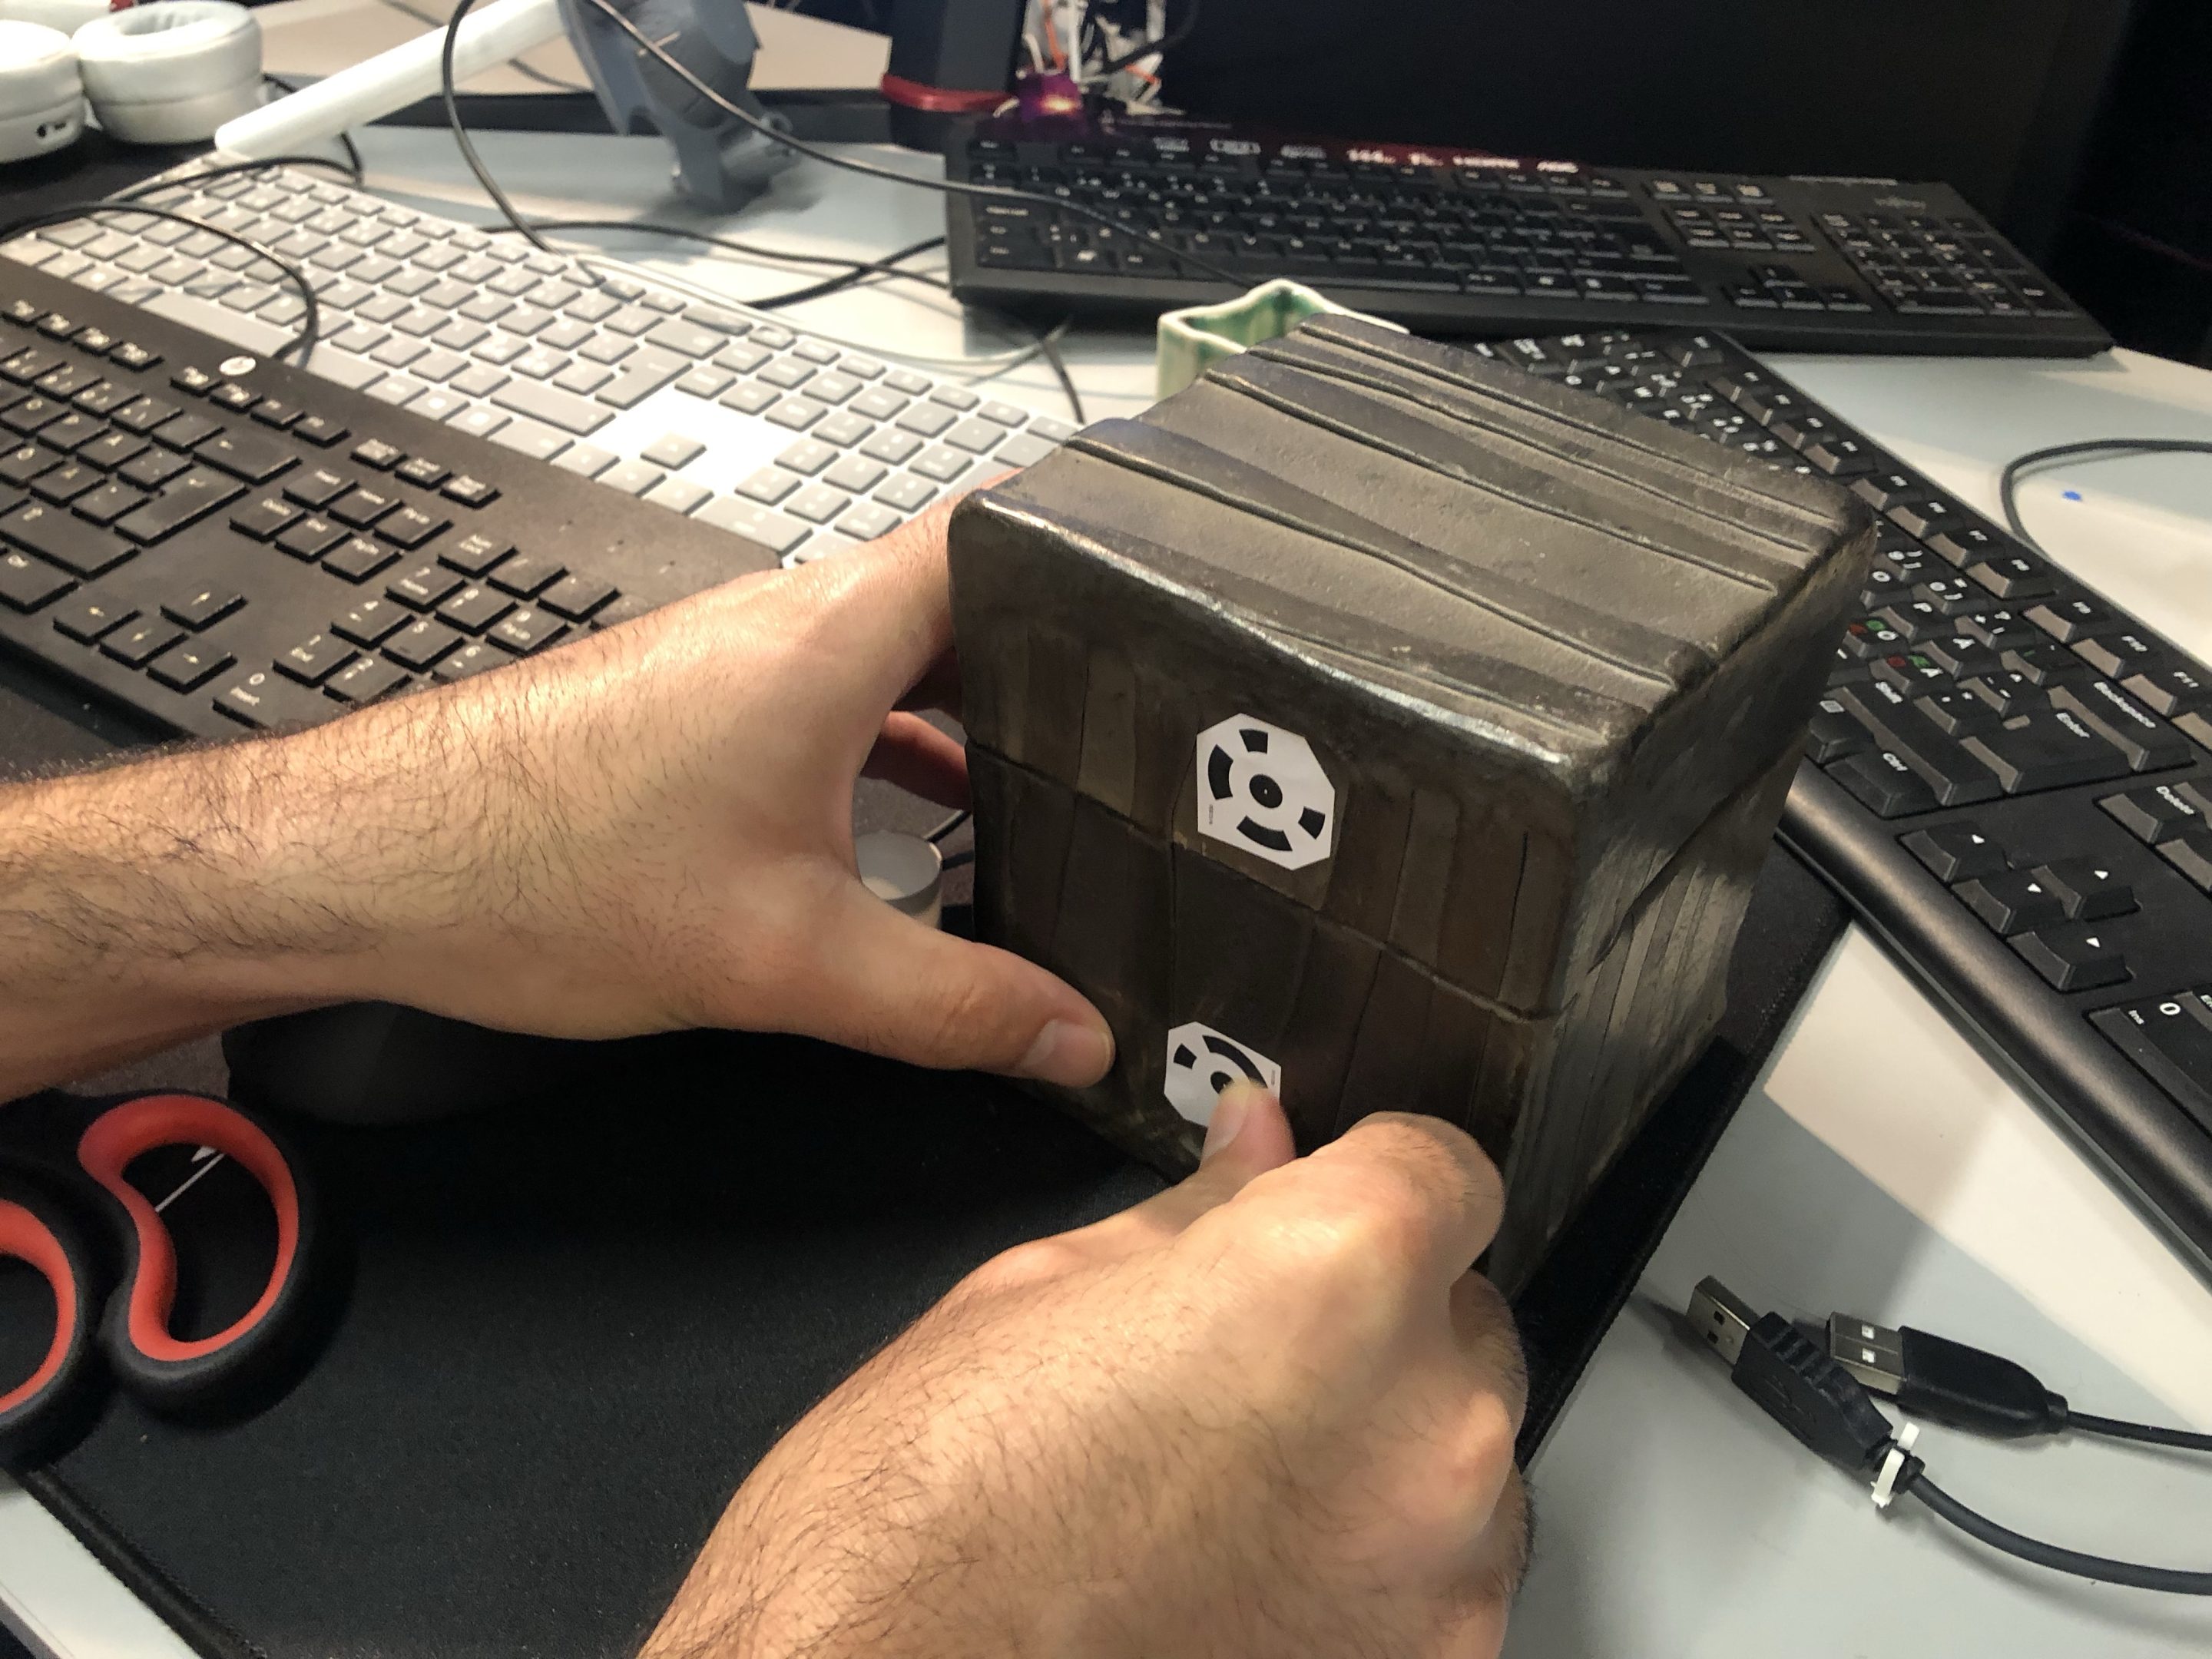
<point x="1261" y="788"/>
<point x="1202" y="1062"/>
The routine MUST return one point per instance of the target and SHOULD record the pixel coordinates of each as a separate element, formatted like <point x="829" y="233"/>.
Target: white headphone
<point x="165" y="73"/>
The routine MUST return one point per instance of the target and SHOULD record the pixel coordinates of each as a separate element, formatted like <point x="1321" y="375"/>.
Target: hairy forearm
<point x="146" y="903"/>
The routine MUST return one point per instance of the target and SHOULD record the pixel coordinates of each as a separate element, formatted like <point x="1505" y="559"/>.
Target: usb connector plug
<point x="1945" y="1382"/>
<point x="1793" y="1379"/>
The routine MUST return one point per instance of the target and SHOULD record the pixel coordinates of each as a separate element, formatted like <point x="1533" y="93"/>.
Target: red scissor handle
<point x="35" y="1413"/>
<point x="152" y="1363"/>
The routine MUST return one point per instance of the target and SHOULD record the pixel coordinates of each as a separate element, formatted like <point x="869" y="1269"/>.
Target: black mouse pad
<point x="574" y="1325"/>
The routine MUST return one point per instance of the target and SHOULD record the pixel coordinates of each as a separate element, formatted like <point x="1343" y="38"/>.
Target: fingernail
<point x="1231" y="1109"/>
<point x="1069" y="1053"/>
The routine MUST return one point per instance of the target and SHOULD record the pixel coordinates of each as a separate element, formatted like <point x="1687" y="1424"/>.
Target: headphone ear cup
<point x="41" y="94"/>
<point x="172" y="73"/>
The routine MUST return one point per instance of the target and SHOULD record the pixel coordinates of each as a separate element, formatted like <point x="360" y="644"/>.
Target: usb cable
<point x="1822" y="1398"/>
<point x="1969" y="1388"/>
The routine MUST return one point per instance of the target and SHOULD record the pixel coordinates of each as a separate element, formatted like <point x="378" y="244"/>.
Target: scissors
<point x="111" y="1262"/>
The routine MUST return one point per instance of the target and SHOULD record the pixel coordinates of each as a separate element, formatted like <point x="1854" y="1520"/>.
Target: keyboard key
<point x="363" y="507"/>
<point x="26" y="583"/>
<point x="893" y="447"/>
<point x="642" y="375"/>
<point x="475" y="608"/>
<point x="867" y="521"/>
<point x="468" y="491"/>
<point x="185" y="499"/>
<point x="2167" y="691"/>
<point x="631" y="477"/>
<point x="425" y="587"/>
<point x="770" y="485"/>
<point x="2090" y="891"/>
<point x="576" y="596"/>
<point x="1022" y="449"/>
<point x="2046" y="749"/>
<point x="926" y="420"/>
<point x="372" y="622"/>
<point x="138" y="643"/>
<point x="1883" y="784"/>
<point x="315" y="659"/>
<point x="188" y="666"/>
<point x="907" y="494"/>
<point x="365" y="679"/>
<point x="247" y="455"/>
<point x="358" y="559"/>
<point x="2152" y="816"/>
<point x="52" y="534"/>
<point x="674" y="451"/>
<point x="1955" y="777"/>
<point x="473" y="555"/>
<point x="526" y="575"/>
<point x="539" y="442"/>
<point x="678" y="494"/>
<point x="202" y="606"/>
<point x="411" y="527"/>
<point x="748" y="396"/>
<point x="942" y="464"/>
<point x="976" y="435"/>
<point x="2012" y="901"/>
<point x="2068" y="620"/>
<point x="421" y="643"/>
<point x="310" y="538"/>
<point x="2082" y="957"/>
<point x="570" y="413"/>
<point x="472" y="658"/>
<point x="2170" y="1038"/>
<point x="1957" y="852"/>
<point x="797" y="413"/>
<point x="855" y="473"/>
<point x="527" y="630"/>
<point x="2150" y="744"/>
<point x="266" y="699"/>
<point x="818" y="503"/>
<point x="85" y="620"/>
<point x="586" y="460"/>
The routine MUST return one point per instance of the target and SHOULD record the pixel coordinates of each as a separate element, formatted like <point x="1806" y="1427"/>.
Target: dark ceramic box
<point x="1379" y="721"/>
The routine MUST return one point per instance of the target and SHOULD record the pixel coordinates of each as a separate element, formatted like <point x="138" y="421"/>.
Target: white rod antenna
<point x="390" y="80"/>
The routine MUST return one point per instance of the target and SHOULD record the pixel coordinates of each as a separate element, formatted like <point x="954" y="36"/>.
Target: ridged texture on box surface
<point x="1413" y="725"/>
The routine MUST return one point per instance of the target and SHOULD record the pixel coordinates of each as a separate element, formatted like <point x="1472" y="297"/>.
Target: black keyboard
<point x="2009" y="779"/>
<point x="1451" y="243"/>
<point x="216" y="541"/>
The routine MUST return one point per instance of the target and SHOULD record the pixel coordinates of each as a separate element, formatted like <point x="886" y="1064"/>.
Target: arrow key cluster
<point x="2053" y="914"/>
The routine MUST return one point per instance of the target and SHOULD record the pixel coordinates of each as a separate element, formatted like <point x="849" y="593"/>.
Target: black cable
<point x="311" y="322"/>
<point x="2149" y="1434"/>
<point x="754" y="250"/>
<point x="869" y="169"/>
<point x="228" y="169"/>
<point x="353" y="163"/>
<point x="2174" y="1581"/>
<point x="2009" y="481"/>
<point x="947" y="827"/>
<point x="861" y="271"/>
<point x="1174" y="37"/>
<point x="468" y="145"/>
<point x="1049" y="348"/>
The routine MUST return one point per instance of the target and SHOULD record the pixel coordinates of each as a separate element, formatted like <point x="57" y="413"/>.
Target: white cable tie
<point x="1885" y="1486"/>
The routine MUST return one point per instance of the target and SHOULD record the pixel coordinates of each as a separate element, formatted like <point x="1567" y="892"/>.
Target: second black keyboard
<point x="2009" y="779"/>
<point x="1453" y="243"/>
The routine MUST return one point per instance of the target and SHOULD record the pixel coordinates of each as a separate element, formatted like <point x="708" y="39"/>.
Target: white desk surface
<point x="1879" y="1166"/>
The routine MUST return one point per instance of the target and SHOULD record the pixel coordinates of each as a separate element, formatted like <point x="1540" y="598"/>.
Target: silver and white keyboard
<point x="722" y="414"/>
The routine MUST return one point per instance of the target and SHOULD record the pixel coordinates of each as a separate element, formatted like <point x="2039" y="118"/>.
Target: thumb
<point x="898" y="988"/>
<point x="1247" y="1136"/>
